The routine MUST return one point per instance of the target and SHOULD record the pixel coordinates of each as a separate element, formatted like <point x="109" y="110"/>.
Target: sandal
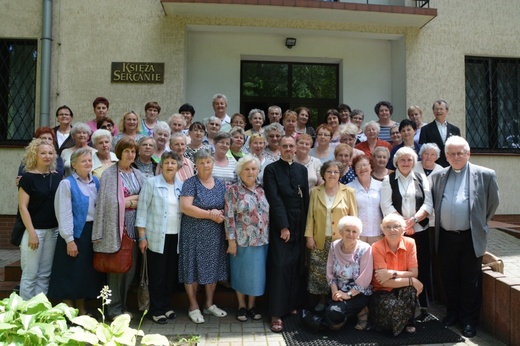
<point x="362" y="322"/>
<point x="161" y="319"/>
<point x="242" y="315"/>
<point x="215" y="311"/>
<point x="171" y="315"/>
<point x="253" y="314"/>
<point x="195" y="316"/>
<point x="277" y="326"/>
<point x="410" y="328"/>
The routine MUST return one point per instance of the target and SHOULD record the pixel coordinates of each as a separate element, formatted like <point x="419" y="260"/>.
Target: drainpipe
<point x="45" y="81"/>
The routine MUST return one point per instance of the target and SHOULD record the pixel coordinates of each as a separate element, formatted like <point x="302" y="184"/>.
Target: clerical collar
<point x="288" y="162"/>
<point x="460" y="170"/>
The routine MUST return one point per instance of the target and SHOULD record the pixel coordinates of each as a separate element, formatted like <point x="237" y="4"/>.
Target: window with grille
<point x="289" y="85"/>
<point x="17" y="90"/>
<point x="493" y="104"/>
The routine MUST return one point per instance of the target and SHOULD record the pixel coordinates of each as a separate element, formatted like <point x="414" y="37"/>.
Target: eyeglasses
<point x="104" y="127"/>
<point x="393" y="228"/>
<point x="64" y="115"/>
<point x="394" y="133"/>
<point x="459" y="154"/>
<point x="332" y="172"/>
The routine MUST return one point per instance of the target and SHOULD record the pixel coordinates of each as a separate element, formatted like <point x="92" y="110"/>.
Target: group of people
<point x="212" y="202"/>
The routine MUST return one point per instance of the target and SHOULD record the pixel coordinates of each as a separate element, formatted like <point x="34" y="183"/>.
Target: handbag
<point x="18" y="231"/>
<point x="143" y="295"/>
<point x="117" y="262"/>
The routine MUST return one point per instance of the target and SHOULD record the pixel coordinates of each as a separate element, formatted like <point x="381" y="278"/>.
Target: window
<point x="289" y="85"/>
<point x="17" y="90"/>
<point x="493" y="104"/>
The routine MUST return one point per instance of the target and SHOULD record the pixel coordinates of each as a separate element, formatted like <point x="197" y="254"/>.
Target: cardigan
<point x="344" y="204"/>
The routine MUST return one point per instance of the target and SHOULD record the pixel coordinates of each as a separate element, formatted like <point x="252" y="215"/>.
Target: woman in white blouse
<point x="368" y="196"/>
<point x="303" y="148"/>
<point x="408" y="194"/>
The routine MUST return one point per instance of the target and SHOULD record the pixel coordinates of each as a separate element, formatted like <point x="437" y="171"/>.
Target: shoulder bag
<point x="117" y="262"/>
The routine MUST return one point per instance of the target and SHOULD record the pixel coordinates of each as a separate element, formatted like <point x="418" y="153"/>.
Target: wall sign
<point x="137" y="72"/>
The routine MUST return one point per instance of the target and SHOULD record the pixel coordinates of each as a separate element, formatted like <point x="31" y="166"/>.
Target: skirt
<point x="393" y="310"/>
<point x="318" y="270"/>
<point x="75" y="277"/>
<point x="248" y="270"/>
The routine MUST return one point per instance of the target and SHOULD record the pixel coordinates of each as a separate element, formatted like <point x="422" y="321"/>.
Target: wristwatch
<point x="349" y="294"/>
<point x="394" y="276"/>
<point x="415" y="220"/>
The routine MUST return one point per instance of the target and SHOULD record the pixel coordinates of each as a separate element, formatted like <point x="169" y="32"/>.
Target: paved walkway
<point x="229" y="332"/>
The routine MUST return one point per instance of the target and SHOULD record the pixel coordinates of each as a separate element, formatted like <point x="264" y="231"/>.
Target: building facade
<point x="385" y="50"/>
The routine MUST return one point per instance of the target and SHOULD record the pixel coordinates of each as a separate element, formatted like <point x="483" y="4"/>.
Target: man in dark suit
<point x="439" y="130"/>
<point x="465" y="198"/>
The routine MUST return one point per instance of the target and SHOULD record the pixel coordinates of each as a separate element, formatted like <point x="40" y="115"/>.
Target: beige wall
<point x="424" y="64"/>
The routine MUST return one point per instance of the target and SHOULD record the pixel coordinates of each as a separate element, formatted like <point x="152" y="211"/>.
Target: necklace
<point x="43" y="174"/>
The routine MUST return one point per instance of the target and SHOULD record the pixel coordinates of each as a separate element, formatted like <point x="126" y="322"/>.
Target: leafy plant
<point x="36" y="322"/>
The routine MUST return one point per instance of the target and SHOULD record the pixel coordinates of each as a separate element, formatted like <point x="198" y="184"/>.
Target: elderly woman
<point x="158" y="223"/>
<point x="73" y="277"/>
<point x="64" y="139"/>
<point x="104" y="157"/>
<point x="256" y="119"/>
<point x="323" y="151"/>
<point x="177" y="123"/>
<point x="224" y="164"/>
<point x="238" y="136"/>
<point x="429" y="153"/>
<point x="289" y="121"/>
<point x="349" y="274"/>
<point x="151" y="112"/>
<point x="380" y="162"/>
<point x="327" y="205"/>
<point x="37" y="188"/>
<point x="257" y="143"/>
<point x="371" y="130"/>
<point x="129" y="126"/>
<point x="115" y="211"/>
<point x="348" y="135"/>
<point x="368" y="196"/>
<point x="81" y="134"/>
<point x="213" y="127"/>
<point x="178" y="146"/>
<point x="144" y="161"/>
<point x="202" y="248"/>
<point x="246" y="213"/>
<point x="161" y="134"/>
<point x="395" y="283"/>
<point x="407" y="130"/>
<point x="273" y="133"/>
<point x="196" y="134"/>
<point x="356" y="118"/>
<point x="343" y="154"/>
<point x="303" y="124"/>
<point x="303" y="148"/>
<point x="415" y="115"/>
<point x="408" y="194"/>
<point x="384" y="110"/>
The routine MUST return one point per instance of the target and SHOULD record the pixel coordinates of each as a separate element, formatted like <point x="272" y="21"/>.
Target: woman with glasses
<point x="144" y="162"/>
<point x="408" y="194"/>
<point x="395" y="283"/>
<point x="64" y="139"/>
<point x="106" y="123"/>
<point x="273" y="134"/>
<point x="327" y="205"/>
<point x="81" y="134"/>
<point x="161" y="134"/>
<point x="323" y="151"/>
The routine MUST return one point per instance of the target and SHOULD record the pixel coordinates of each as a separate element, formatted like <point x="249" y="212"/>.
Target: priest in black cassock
<point x="287" y="190"/>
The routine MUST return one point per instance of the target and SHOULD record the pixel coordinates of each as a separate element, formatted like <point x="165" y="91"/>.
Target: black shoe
<point x="449" y="321"/>
<point x="423" y="317"/>
<point x="469" y="331"/>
